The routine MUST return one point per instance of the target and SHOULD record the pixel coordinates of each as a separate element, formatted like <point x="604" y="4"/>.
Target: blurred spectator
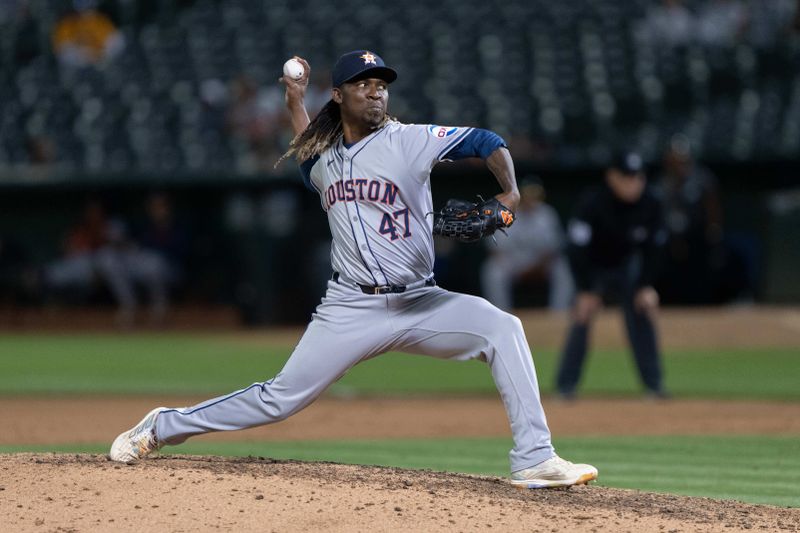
<point x="669" y="24"/>
<point x="615" y="240"/>
<point x="41" y="150"/>
<point x="98" y="250"/>
<point x="164" y="235"/>
<point x="139" y="267"/>
<point x="532" y="252"/>
<point x="26" y="45"/>
<point x="721" y="23"/>
<point x="85" y="37"/>
<point x="87" y="259"/>
<point x="254" y="118"/>
<point x="693" y="215"/>
<point x="91" y="233"/>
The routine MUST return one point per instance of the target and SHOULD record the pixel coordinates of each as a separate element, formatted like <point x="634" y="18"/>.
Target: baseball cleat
<point x="137" y="442"/>
<point x="555" y="472"/>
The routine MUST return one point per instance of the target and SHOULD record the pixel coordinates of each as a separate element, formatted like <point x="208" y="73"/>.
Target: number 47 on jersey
<point x="395" y="223"/>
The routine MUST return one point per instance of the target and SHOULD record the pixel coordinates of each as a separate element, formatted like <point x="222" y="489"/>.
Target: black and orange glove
<point x="471" y="222"/>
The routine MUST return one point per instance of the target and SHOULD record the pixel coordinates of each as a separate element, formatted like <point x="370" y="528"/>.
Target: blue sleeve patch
<point x="305" y="171"/>
<point x="478" y="143"/>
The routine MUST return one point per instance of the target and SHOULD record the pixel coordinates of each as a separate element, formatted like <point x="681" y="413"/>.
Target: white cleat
<point x="139" y="441"/>
<point x="555" y="472"/>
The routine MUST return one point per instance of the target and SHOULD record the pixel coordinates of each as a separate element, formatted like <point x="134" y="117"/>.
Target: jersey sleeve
<point x="305" y="171"/>
<point x="426" y="145"/>
<point x="312" y="177"/>
<point x="477" y="143"/>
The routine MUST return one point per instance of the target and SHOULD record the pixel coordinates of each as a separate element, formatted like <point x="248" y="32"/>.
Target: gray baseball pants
<point x="350" y="326"/>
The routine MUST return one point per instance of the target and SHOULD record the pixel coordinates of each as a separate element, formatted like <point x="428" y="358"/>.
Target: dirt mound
<point x="56" y="492"/>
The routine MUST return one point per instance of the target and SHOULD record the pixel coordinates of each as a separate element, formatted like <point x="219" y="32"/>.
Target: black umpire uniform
<point x="615" y="239"/>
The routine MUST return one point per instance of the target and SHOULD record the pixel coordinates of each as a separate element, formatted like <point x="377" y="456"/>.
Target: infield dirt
<point x="49" y="492"/>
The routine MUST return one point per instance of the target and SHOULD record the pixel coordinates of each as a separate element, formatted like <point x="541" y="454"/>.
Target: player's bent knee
<point x="506" y="323"/>
<point x="516" y="324"/>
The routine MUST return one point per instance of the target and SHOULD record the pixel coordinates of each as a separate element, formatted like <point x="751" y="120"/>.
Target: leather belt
<point x="386" y="289"/>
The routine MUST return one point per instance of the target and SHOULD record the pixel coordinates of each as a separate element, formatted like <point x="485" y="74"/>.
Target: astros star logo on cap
<point x="368" y="57"/>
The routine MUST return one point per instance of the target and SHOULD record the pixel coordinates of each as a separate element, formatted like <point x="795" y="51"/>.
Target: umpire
<point x="614" y="242"/>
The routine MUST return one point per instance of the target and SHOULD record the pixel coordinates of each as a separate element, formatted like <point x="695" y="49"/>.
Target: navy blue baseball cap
<point x="354" y="64"/>
<point x="628" y="163"/>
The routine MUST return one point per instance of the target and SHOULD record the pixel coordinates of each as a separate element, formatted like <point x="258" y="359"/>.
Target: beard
<point x="374" y="117"/>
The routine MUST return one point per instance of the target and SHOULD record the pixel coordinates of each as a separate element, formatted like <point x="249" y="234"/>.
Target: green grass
<point x="210" y="364"/>
<point x="756" y="469"/>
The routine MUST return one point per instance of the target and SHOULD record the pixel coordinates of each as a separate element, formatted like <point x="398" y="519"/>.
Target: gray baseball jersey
<point x="377" y="197"/>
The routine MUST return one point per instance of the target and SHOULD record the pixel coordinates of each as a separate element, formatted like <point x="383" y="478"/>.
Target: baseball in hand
<point x="293" y="69"/>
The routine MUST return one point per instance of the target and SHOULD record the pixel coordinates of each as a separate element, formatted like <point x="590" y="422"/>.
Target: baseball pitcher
<point x="372" y="176"/>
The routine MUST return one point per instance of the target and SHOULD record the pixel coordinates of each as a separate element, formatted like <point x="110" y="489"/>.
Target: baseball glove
<point x="470" y="222"/>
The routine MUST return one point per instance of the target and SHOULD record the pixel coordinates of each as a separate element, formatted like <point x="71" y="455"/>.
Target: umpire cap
<point x="359" y="62"/>
<point x="628" y="163"/>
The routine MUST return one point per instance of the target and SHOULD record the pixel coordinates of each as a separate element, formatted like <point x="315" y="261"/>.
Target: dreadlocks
<point x="321" y="133"/>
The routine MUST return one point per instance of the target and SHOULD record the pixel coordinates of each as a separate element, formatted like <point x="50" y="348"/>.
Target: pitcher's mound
<point x="60" y="492"/>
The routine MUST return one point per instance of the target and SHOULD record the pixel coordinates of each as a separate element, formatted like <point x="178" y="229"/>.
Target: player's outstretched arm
<point x="501" y="165"/>
<point x="295" y="97"/>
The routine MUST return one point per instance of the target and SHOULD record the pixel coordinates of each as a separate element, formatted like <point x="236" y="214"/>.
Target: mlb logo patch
<point x="440" y="132"/>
